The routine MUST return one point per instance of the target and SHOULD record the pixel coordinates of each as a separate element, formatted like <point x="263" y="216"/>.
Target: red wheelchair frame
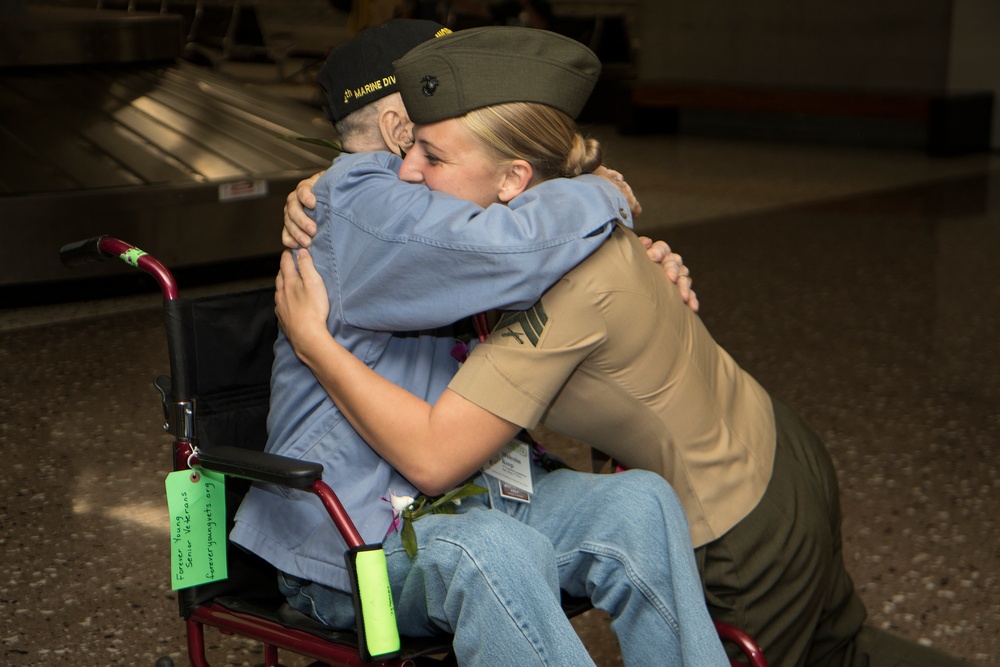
<point x="261" y="617"/>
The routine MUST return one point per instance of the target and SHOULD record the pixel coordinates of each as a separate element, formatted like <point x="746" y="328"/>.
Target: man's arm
<point x="397" y="256"/>
<point x="299" y="230"/>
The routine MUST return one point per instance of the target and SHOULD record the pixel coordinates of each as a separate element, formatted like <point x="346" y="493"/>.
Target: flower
<point x="410" y="509"/>
<point x="400" y="503"/>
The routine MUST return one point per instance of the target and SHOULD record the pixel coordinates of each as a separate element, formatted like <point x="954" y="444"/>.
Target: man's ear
<point x="396" y="129"/>
<point x="517" y="179"/>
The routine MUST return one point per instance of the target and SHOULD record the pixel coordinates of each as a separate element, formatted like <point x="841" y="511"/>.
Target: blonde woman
<point x="611" y="356"/>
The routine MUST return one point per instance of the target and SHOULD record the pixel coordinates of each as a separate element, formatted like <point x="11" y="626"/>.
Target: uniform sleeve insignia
<point x="523" y="325"/>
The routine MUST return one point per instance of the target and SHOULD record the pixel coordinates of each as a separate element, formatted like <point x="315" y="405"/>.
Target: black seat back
<point x="221" y="352"/>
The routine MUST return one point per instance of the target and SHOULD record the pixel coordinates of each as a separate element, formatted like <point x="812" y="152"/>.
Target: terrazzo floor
<point x="859" y="285"/>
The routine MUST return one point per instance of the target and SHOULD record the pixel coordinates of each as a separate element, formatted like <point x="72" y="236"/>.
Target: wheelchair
<point x="215" y="405"/>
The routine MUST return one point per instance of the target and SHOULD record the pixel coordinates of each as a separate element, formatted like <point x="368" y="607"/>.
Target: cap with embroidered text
<point x="359" y="72"/>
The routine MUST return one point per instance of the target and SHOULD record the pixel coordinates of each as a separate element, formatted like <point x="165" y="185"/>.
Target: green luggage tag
<point x="378" y="636"/>
<point x="196" y="501"/>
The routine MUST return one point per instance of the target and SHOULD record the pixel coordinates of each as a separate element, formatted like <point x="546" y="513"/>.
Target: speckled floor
<point x="859" y="285"/>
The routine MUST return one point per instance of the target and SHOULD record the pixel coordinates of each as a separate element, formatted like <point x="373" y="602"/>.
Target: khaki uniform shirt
<point x="611" y="356"/>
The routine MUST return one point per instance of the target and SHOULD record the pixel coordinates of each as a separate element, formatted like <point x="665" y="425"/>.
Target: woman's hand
<point x="301" y="302"/>
<point x="299" y="228"/>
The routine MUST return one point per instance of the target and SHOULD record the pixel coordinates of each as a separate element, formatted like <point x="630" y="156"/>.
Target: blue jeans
<point x="492" y="577"/>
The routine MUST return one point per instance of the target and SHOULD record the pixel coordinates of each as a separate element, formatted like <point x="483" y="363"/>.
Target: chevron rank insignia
<point x="523" y="327"/>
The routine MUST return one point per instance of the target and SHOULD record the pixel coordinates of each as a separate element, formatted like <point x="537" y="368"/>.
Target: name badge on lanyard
<point x="512" y="466"/>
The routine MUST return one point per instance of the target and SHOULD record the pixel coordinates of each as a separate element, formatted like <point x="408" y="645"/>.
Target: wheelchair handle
<point x="99" y="248"/>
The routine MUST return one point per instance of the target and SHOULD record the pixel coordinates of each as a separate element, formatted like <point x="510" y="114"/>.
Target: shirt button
<point x="623" y="214"/>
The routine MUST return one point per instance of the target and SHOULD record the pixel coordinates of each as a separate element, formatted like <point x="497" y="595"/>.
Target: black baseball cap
<point x="359" y="72"/>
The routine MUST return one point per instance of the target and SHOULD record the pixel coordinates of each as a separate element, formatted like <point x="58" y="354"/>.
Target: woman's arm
<point x="435" y="447"/>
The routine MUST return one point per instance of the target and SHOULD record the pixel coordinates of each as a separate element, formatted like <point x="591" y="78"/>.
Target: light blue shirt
<point x="398" y="258"/>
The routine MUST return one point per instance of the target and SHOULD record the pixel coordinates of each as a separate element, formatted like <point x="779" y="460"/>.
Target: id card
<point x="197" y="504"/>
<point x="512" y="466"/>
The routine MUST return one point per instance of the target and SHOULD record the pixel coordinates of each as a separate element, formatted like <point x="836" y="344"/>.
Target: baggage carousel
<point x="104" y="129"/>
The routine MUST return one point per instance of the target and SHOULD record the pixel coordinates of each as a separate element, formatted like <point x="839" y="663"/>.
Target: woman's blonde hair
<point x="542" y="136"/>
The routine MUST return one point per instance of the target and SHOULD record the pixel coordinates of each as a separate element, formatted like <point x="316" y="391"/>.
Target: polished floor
<point x="858" y="284"/>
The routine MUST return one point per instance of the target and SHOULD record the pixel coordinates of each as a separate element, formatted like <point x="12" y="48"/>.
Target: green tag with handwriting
<point x="196" y="500"/>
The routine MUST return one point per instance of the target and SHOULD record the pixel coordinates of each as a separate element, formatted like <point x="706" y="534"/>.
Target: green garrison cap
<point x="454" y="74"/>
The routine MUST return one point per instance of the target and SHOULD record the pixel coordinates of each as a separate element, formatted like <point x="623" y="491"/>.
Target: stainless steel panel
<point x="147" y="152"/>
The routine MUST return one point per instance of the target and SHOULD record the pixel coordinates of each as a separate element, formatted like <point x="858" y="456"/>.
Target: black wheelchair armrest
<point x="261" y="466"/>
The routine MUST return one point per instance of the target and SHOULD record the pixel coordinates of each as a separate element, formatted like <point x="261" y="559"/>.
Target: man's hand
<point x="673" y="268"/>
<point x="619" y="182"/>
<point x="658" y="251"/>
<point x="299" y="228"/>
<point x="301" y="301"/>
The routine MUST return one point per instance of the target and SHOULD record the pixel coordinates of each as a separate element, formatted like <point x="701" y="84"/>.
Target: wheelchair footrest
<point x="287" y="617"/>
